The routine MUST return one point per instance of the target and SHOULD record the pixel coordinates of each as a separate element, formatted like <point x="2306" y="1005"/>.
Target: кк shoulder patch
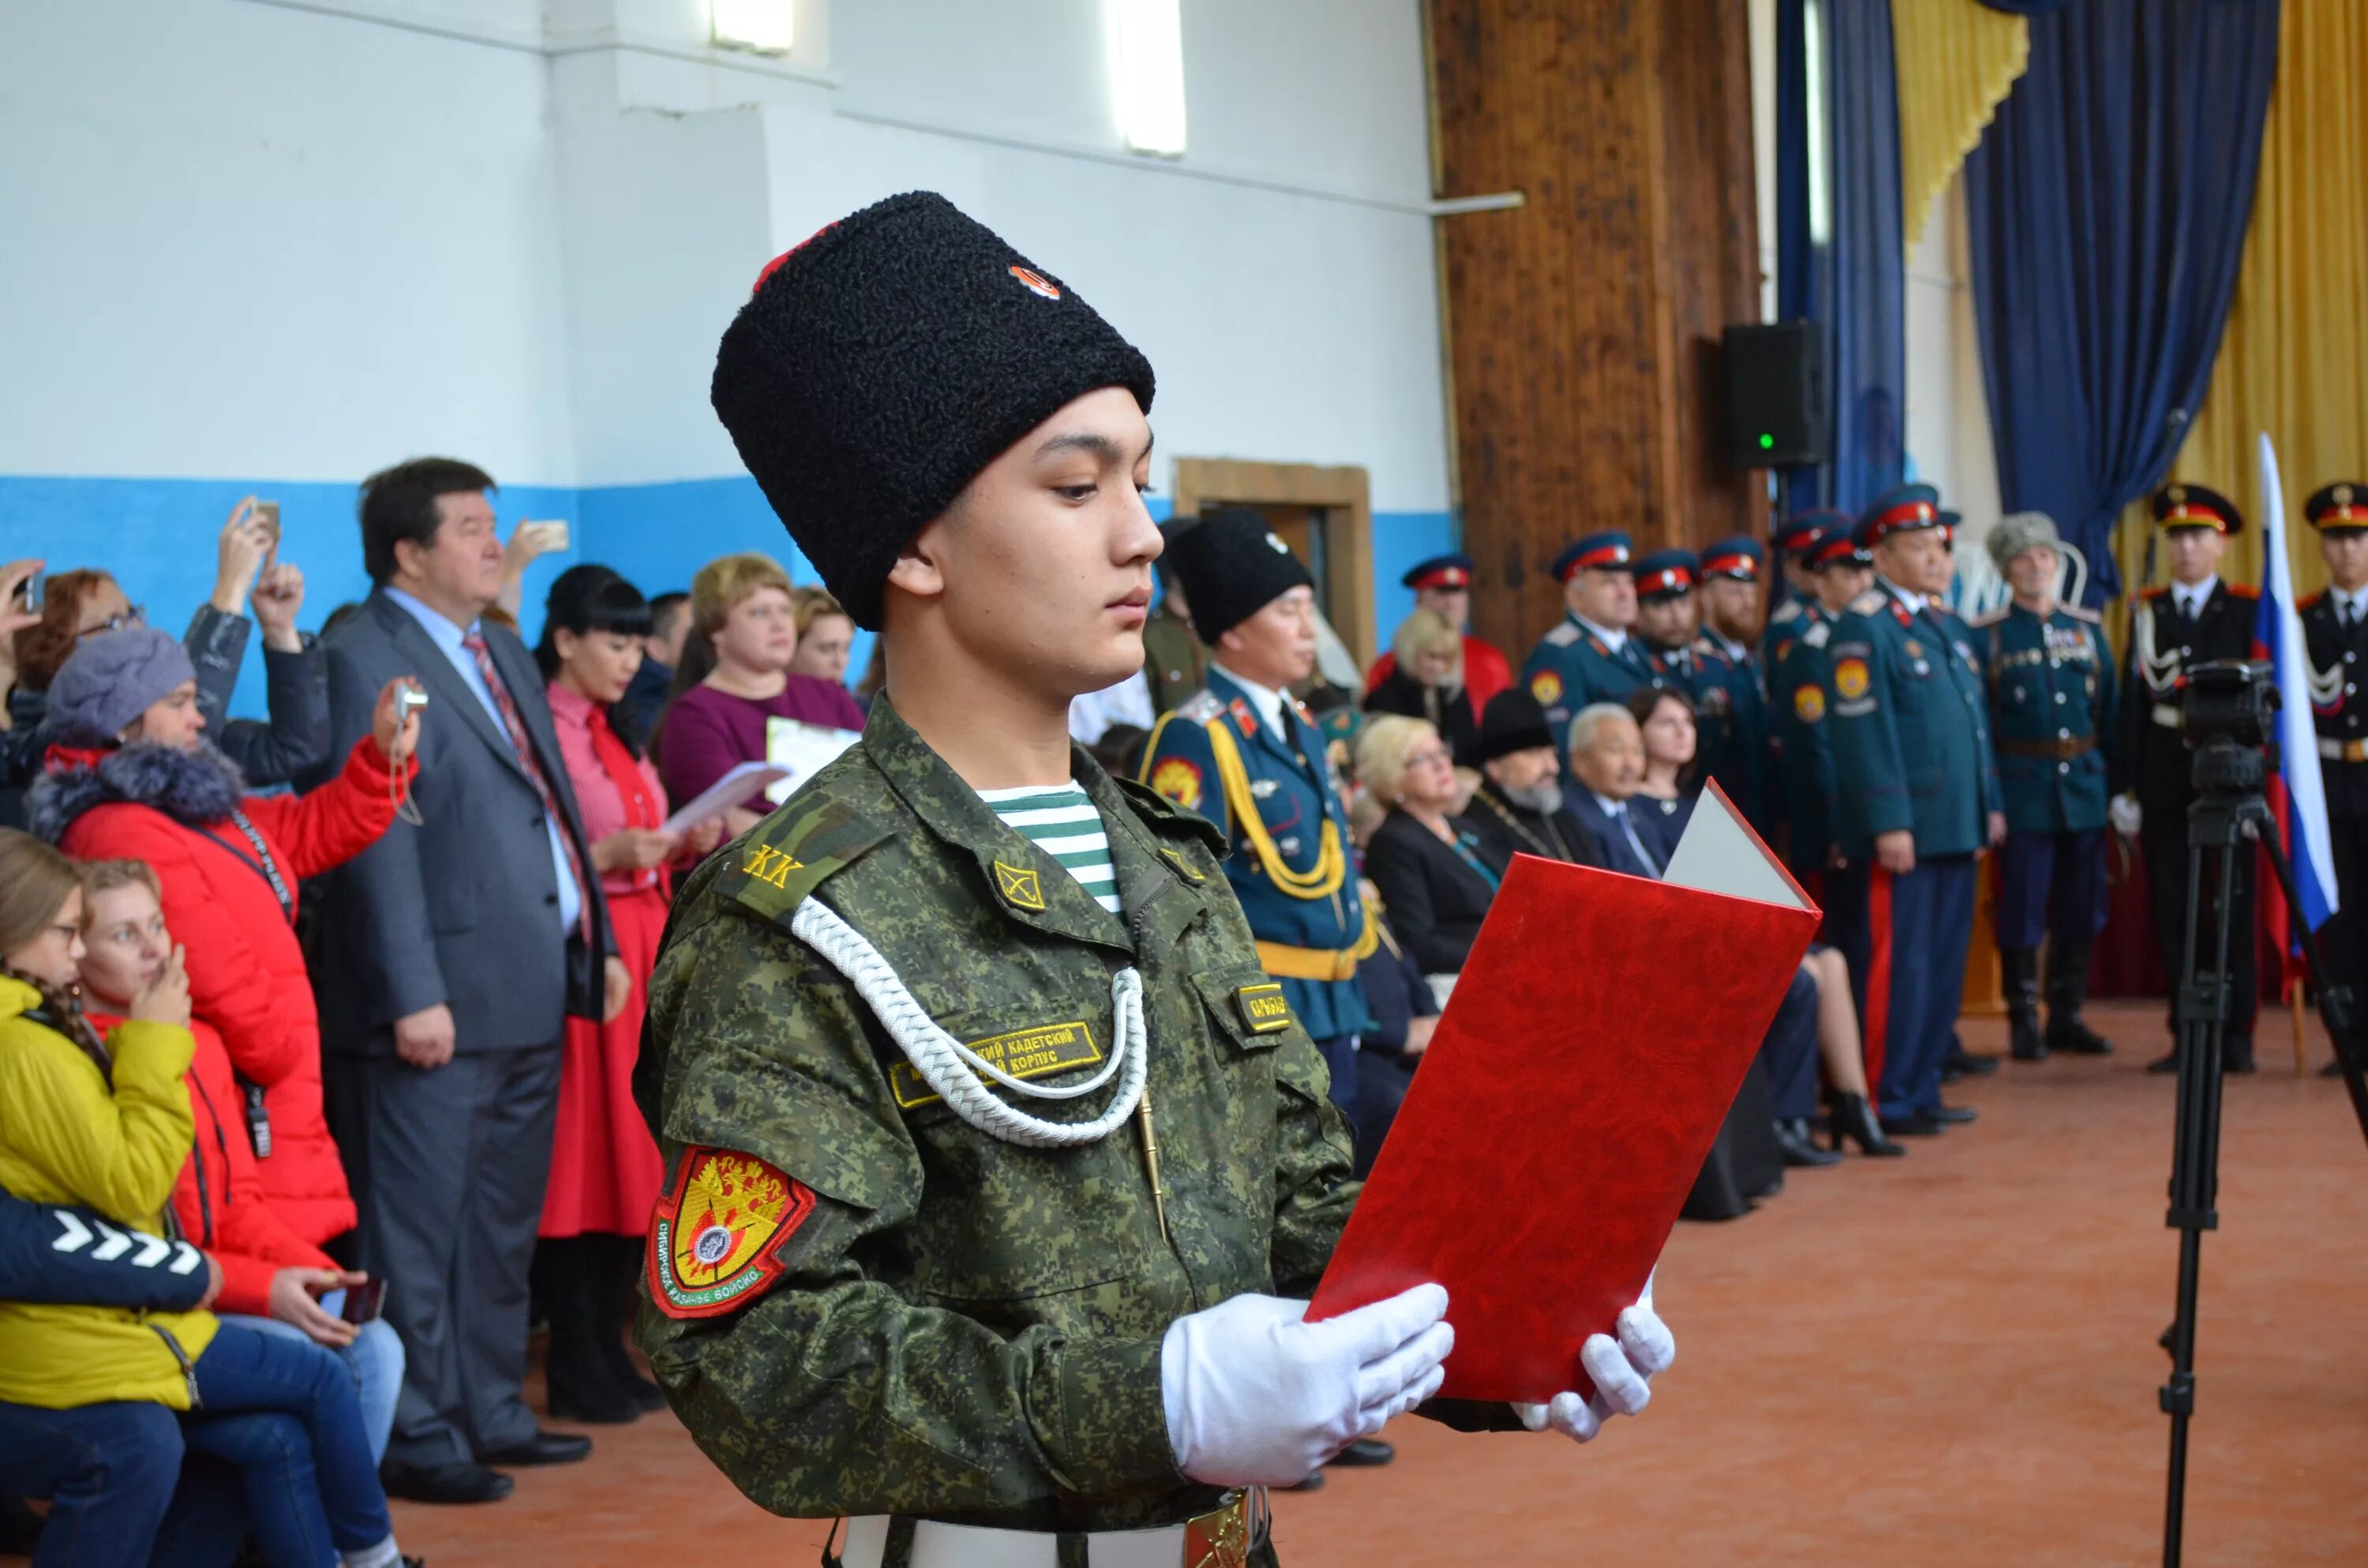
<point x="716" y="1239"/>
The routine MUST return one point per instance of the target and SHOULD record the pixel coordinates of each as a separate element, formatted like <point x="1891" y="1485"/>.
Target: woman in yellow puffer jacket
<point x="105" y="1124"/>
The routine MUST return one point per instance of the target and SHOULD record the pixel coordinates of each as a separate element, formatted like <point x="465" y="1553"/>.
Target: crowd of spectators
<point x="317" y="1030"/>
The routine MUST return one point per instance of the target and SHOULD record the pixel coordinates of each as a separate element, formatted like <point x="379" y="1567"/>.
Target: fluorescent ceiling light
<point x="1147" y="50"/>
<point x="767" y="26"/>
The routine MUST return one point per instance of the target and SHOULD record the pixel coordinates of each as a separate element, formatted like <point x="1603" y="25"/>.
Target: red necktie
<point x="515" y="726"/>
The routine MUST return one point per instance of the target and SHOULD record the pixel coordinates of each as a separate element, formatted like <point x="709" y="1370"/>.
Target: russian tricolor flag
<point x="2296" y="793"/>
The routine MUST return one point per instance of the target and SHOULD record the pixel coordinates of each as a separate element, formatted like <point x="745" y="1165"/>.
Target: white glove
<point x="1256" y="1397"/>
<point x="2123" y="811"/>
<point x="1622" y="1372"/>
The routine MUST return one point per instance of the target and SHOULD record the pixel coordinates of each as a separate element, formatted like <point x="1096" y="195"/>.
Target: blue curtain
<point x="2109" y="201"/>
<point x="1851" y="279"/>
<point x="2027" y="7"/>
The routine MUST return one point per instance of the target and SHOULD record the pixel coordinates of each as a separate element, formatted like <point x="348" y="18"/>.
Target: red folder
<point x="1576" y="1084"/>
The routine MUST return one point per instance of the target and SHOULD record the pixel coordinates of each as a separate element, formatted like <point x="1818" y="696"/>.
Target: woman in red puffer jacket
<point x="129" y="777"/>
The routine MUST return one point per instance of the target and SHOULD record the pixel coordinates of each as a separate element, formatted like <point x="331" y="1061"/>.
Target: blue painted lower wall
<point x="157" y="537"/>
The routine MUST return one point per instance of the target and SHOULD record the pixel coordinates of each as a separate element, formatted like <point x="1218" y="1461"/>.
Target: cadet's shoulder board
<point x="2308" y="601"/>
<point x="2242" y="590"/>
<point x="2083" y="612"/>
<point x="1564" y="634"/>
<point x="1869" y="602"/>
<point x="1710" y="649"/>
<point x="1789" y="611"/>
<point x="1816" y="636"/>
<point x="715" y="1241"/>
<point x="772" y="869"/>
<point x="2158" y="591"/>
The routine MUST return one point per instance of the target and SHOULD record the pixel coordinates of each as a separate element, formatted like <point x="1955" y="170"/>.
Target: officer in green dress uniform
<point x="2193" y="618"/>
<point x="1591" y="654"/>
<point x="1174" y="663"/>
<point x="2051" y="687"/>
<point x="2335" y="627"/>
<point x="1915" y="798"/>
<point x="1730" y="694"/>
<point x="918" y="1263"/>
<point x="1665" y="622"/>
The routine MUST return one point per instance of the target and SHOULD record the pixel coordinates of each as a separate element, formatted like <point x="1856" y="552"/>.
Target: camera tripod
<point x="2229" y="812"/>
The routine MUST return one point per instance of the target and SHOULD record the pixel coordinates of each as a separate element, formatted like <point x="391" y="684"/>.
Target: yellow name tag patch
<point x="1024" y="1054"/>
<point x="1263" y="1009"/>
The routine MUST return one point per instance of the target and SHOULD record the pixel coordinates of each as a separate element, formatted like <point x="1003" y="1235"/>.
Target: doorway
<point x="1323" y="513"/>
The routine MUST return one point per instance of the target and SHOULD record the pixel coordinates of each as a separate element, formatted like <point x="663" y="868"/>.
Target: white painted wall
<point x="251" y="238"/>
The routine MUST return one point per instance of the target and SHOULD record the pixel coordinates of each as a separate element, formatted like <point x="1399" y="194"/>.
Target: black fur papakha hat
<point x="880" y="366"/>
<point x="1232" y="566"/>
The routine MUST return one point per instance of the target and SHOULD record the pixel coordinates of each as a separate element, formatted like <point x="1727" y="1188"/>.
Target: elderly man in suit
<point x="451" y="952"/>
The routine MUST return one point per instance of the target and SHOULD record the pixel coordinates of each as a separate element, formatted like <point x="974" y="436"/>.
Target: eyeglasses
<point x="1429" y="757"/>
<point x="135" y="616"/>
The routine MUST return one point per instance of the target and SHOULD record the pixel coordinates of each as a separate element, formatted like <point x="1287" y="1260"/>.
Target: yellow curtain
<point x="2294" y="361"/>
<point x="1956" y="60"/>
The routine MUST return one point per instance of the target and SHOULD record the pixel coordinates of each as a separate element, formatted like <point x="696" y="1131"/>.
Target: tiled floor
<point x="1948" y="1359"/>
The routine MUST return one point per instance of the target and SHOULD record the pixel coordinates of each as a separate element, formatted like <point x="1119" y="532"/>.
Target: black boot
<point x="577" y="1379"/>
<point x="2067" y="988"/>
<point x="1852" y="1118"/>
<point x="2237" y="1055"/>
<point x="1962" y="1064"/>
<point x="2020" y="965"/>
<point x="1799" y="1149"/>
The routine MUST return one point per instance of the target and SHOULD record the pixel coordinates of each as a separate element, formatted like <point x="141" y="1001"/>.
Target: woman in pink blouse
<point x="605" y="1170"/>
<point x="735" y="677"/>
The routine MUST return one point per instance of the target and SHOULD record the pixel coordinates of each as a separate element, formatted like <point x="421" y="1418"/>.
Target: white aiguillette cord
<point x="953" y="1070"/>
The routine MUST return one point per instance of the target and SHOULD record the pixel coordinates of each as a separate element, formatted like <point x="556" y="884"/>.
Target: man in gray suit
<point x="451" y="952"/>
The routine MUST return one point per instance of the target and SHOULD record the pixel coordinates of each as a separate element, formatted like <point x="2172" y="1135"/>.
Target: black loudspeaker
<point x="1776" y="395"/>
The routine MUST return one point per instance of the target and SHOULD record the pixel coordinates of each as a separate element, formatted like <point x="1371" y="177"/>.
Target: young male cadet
<point x="2331" y="625"/>
<point x="2051" y="684"/>
<point x="1799" y="691"/>
<point x="892" y="1275"/>
<point x="1244" y="753"/>
<point x="2191" y="619"/>
<point x="1915" y="798"/>
<point x="1443" y="585"/>
<point x="1591" y="654"/>
<point x="1730" y="696"/>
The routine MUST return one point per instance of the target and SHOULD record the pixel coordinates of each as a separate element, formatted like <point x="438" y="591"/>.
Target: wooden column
<point x="1583" y="327"/>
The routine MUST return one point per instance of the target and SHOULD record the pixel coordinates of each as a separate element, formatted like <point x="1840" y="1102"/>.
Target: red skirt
<point x="605" y="1169"/>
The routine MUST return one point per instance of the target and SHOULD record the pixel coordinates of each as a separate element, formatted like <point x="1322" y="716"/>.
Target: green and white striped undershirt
<point x="1065" y="824"/>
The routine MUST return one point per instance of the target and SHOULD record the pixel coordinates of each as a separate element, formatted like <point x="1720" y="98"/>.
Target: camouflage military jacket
<point x="860" y="1304"/>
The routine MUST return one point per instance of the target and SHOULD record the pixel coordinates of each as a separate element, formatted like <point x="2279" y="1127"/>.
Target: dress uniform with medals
<point x="1800" y="695"/>
<point x="1486" y="671"/>
<point x="1731" y="699"/>
<point x="2052" y="690"/>
<point x="1253" y="763"/>
<point x="1577" y="662"/>
<point x="2173" y="627"/>
<point x="1664" y="575"/>
<point x="1909" y="727"/>
<point x="958" y="1314"/>
<point x="1174" y="663"/>
<point x="2333" y="629"/>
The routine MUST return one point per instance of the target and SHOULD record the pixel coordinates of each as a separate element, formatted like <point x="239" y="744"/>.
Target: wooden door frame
<point x="1344" y="492"/>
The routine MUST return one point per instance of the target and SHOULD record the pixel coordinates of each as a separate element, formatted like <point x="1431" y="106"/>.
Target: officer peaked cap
<point x="1665" y="574"/>
<point x="881" y="364"/>
<point x="2194" y="506"/>
<point x="2340" y="507"/>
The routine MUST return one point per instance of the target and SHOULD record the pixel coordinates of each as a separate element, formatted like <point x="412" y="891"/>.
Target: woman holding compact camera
<point x="129" y="775"/>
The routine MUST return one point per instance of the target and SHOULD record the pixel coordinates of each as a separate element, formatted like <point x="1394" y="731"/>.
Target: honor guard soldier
<point x="1174" y="663"/>
<point x="918" y="1262"/>
<point x="2051" y="682"/>
<point x="1247" y="756"/>
<point x="1915" y="798"/>
<point x="2331" y="624"/>
<point x="1800" y="693"/>
<point x="1665" y="615"/>
<point x="1443" y="585"/>
<point x="1729" y="696"/>
<point x="2193" y="619"/>
<point x="1592" y="654"/>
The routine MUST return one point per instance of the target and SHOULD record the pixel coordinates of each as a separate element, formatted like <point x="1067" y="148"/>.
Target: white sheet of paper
<point x="1719" y="853"/>
<point x="803" y="748"/>
<point x="725" y="794"/>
